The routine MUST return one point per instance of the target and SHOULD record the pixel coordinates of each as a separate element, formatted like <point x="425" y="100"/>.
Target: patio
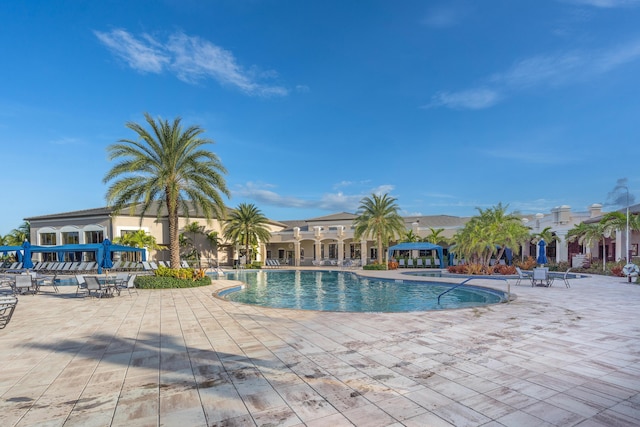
<point x="553" y="357"/>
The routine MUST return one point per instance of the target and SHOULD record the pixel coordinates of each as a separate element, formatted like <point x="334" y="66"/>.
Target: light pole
<point x="627" y="238"/>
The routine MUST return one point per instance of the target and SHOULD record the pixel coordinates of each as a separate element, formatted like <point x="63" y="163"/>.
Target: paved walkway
<point x="552" y="357"/>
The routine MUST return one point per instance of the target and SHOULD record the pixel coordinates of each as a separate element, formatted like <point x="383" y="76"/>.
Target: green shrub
<point x="165" y="282"/>
<point x="177" y="273"/>
<point x="374" y="267"/>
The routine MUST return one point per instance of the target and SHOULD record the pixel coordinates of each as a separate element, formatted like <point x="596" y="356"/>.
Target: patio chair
<point x="401" y="263"/>
<point x="410" y="263"/>
<point x="427" y="263"/>
<point x="522" y="276"/>
<point x="420" y="263"/>
<point x="47" y="281"/>
<point x="94" y="285"/>
<point x="565" y="278"/>
<point x="541" y="277"/>
<point x="129" y="285"/>
<point x="24" y="284"/>
<point x="82" y="284"/>
<point x="7" y="307"/>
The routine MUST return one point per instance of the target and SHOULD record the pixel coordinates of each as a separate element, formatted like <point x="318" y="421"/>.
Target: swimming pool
<point x="348" y="292"/>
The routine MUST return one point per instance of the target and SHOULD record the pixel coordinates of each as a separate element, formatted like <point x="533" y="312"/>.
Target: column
<point x="562" y="247"/>
<point x="296" y="254"/>
<point x="363" y="252"/>
<point x="318" y="254"/>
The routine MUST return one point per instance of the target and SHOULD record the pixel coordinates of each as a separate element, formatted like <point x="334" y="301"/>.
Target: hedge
<point x="159" y="282"/>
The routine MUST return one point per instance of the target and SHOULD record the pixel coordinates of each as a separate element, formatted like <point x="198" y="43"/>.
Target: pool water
<point x="348" y="292"/>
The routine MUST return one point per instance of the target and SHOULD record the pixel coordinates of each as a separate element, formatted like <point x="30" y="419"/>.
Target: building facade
<point x="326" y="240"/>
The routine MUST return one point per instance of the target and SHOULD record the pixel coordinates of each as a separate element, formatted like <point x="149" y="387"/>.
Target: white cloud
<point x="608" y="4"/>
<point x="441" y="17"/>
<point x="556" y="69"/>
<point x="190" y="58"/>
<point x="331" y="202"/>
<point x="141" y="55"/>
<point x="472" y="99"/>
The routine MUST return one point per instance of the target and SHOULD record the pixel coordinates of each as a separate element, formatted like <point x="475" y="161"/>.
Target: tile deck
<point x="181" y="357"/>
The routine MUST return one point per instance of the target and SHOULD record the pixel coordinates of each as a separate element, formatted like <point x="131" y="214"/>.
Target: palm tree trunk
<point x="604" y="257"/>
<point x="174" y="246"/>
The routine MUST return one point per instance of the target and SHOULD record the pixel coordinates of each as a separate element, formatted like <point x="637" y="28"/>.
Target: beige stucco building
<point x="316" y="241"/>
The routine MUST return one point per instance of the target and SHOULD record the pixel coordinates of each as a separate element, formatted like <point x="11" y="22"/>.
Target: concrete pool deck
<point x="552" y="357"/>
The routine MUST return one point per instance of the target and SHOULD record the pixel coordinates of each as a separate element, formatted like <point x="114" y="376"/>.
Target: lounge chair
<point x="91" y="267"/>
<point x="184" y="264"/>
<point x="419" y="263"/>
<point x="410" y="263"/>
<point x="401" y="263"/>
<point x="162" y="264"/>
<point x="153" y="265"/>
<point x="427" y="263"/>
<point x="7" y="307"/>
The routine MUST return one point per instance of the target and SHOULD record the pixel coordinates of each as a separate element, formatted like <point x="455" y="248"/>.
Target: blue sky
<point x="445" y="105"/>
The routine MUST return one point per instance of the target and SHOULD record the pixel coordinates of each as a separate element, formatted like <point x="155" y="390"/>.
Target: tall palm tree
<point x="378" y="218"/>
<point x="247" y="226"/>
<point x="168" y="165"/>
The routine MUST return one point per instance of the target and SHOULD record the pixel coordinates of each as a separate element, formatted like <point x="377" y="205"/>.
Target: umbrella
<point x="542" y="252"/>
<point x="26" y="258"/>
<point x="106" y="261"/>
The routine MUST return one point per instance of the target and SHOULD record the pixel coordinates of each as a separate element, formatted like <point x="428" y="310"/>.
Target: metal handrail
<point x="472" y="278"/>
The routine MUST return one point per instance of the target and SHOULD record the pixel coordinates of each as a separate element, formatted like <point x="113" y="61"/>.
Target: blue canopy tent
<point x="97" y="248"/>
<point x="409" y="246"/>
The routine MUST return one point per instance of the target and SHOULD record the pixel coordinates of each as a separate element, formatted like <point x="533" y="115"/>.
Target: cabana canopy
<point x="101" y="250"/>
<point x="410" y="246"/>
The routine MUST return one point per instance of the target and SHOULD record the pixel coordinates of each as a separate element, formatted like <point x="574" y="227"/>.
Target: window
<point x="71" y="238"/>
<point x="93" y="236"/>
<point x="333" y="251"/>
<point x="354" y="250"/>
<point x="48" y="238"/>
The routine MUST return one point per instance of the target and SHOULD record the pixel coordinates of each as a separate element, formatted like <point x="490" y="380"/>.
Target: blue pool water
<point x="345" y="291"/>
